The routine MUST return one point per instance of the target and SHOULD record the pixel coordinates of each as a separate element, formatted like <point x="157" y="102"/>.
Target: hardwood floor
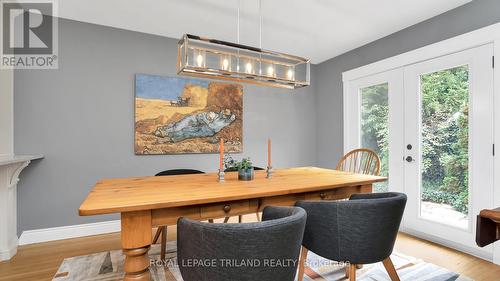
<point x="475" y="268"/>
<point x="40" y="261"/>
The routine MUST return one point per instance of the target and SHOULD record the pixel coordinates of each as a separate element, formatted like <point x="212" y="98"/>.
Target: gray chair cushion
<point x="270" y="248"/>
<point x="361" y="230"/>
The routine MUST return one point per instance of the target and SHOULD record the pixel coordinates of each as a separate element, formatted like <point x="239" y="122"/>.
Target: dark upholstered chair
<point x="175" y="172"/>
<point x="162" y="230"/>
<point x="235" y="170"/>
<point x="360" y="230"/>
<point x="224" y="246"/>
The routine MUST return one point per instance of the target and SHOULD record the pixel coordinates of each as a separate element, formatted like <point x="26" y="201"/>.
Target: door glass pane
<point x="374" y="129"/>
<point x="445" y="144"/>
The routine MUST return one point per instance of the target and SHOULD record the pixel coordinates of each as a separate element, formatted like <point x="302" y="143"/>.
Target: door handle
<point x="409" y="159"/>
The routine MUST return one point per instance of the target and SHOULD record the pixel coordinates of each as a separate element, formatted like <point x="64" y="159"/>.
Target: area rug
<point x="108" y="266"/>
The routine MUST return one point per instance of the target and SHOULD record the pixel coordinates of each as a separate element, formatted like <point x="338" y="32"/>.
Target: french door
<point x="449" y="143"/>
<point x="432" y="125"/>
<point x="373" y="119"/>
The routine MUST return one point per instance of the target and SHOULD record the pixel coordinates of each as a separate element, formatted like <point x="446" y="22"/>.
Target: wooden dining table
<point x="147" y="202"/>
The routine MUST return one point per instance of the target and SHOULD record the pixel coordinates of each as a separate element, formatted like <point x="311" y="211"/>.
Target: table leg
<point x="136" y="241"/>
<point x="367" y="188"/>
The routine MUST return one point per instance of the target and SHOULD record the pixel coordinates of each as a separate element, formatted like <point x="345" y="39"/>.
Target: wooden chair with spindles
<point x="360" y="161"/>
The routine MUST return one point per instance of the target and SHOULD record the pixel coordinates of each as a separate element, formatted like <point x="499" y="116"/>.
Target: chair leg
<point x="352" y="272"/>
<point x="157" y="234"/>
<point x="210" y="220"/>
<point x="258" y="217"/>
<point x="302" y="262"/>
<point x="389" y="266"/>
<point x="240" y="218"/>
<point x="226" y="219"/>
<point x="163" y="243"/>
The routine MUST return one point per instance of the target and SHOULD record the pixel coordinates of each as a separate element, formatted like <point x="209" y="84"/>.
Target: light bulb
<point x="199" y="60"/>
<point x="225" y="64"/>
<point x="270" y="71"/>
<point x="248" y="67"/>
<point x="289" y="74"/>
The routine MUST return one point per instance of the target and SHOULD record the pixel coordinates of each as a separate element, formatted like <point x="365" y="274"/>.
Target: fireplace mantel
<point x="10" y="168"/>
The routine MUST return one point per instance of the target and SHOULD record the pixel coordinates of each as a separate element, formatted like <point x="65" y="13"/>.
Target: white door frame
<point x="486" y="35"/>
<point x="478" y="60"/>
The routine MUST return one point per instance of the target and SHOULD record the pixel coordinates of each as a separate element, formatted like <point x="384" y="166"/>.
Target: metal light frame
<point x="223" y="60"/>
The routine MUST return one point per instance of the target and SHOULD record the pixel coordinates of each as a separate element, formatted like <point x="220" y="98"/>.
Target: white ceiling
<point x="317" y="29"/>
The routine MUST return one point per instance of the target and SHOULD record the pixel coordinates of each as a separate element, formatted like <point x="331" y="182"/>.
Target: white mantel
<point x="10" y="168"/>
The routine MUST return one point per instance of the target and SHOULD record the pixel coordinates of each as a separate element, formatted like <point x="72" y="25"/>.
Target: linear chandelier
<point x="216" y="59"/>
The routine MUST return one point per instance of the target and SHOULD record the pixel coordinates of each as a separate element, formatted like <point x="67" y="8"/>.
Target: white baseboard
<point x="70" y="231"/>
<point x="8" y="254"/>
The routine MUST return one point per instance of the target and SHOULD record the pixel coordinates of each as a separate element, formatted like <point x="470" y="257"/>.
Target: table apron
<point x="169" y="216"/>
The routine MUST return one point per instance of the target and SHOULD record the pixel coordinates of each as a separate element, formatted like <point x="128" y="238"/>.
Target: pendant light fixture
<point x="216" y="59"/>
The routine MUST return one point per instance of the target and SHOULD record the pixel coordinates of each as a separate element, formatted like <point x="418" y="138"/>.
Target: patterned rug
<point x="108" y="266"/>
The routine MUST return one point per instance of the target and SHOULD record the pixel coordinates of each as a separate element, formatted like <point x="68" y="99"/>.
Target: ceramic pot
<point x="246" y="174"/>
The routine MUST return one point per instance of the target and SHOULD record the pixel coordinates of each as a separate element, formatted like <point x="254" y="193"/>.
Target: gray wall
<point x="81" y="117"/>
<point x="469" y="17"/>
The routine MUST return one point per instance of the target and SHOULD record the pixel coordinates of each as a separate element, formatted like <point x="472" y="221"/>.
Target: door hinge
<point x="493" y="61"/>
<point x="493" y="149"/>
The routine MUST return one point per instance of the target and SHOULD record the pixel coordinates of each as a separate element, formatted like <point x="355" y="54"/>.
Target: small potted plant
<point x="244" y="168"/>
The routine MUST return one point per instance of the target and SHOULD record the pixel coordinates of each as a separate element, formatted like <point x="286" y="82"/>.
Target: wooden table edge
<point x="111" y="210"/>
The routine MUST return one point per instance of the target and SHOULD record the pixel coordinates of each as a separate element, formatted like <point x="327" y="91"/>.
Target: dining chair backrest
<point x="234" y="169"/>
<point x="360" y="161"/>
<point x="174" y="172"/>
<point x="162" y="230"/>
<point x="261" y="245"/>
<point x="360" y="230"/>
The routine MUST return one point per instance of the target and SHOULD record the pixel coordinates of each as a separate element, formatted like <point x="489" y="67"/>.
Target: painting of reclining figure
<point x="175" y="115"/>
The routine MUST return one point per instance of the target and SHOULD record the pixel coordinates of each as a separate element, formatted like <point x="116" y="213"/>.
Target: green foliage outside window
<point x="445" y="137"/>
<point x="374" y="130"/>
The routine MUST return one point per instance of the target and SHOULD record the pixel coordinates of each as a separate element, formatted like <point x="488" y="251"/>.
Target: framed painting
<point x="176" y="115"/>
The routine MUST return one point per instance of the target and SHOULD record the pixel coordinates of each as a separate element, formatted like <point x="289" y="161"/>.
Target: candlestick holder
<point x="269" y="171"/>
<point x="221" y="175"/>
